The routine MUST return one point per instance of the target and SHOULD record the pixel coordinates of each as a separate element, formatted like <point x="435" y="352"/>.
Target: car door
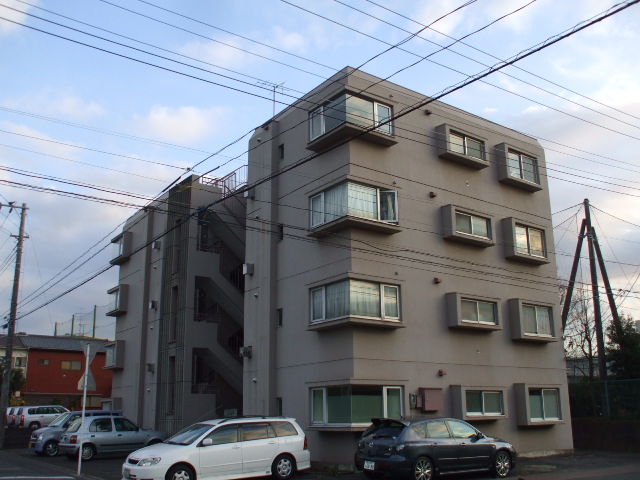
<point x="128" y="437"/>
<point x="441" y="445"/>
<point x="473" y="451"/>
<point x="223" y="457"/>
<point x="100" y="433"/>
<point x="259" y="447"/>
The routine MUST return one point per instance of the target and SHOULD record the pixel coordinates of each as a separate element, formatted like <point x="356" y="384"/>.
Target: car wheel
<point x="422" y="469"/>
<point x="283" y="467"/>
<point x="34" y="425"/>
<point x="180" y="472"/>
<point x="502" y="464"/>
<point x="88" y="452"/>
<point x="50" y="449"/>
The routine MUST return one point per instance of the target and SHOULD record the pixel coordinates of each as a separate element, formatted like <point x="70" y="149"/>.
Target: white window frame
<point x="477" y="302"/>
<point x="465" y="146"/>
<point x="317" y="112"/>
<point x="544" y="418"/>
<point x="381" y="289"/>
<point x="472" y="217"/>
<point x="325" y="408"/>
<point x="528" y="230"/>
<point x="484" y="413"/>
<point x="322" y="210"/>
<point x="387" y="128"/>
<point x="521" y="175"/>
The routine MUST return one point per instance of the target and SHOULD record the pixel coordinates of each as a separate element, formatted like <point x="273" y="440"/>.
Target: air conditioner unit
<point x="245" y="352"/>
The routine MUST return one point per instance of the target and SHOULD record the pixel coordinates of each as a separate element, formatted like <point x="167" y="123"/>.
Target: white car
<point x="224" y="449"/>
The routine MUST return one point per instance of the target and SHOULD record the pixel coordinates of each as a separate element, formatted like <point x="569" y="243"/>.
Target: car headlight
<point x="40" y="437"/>
<point x="147" y="462"/>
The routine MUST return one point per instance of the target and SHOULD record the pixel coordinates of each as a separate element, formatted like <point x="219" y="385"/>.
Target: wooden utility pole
<point x="587" y="230"/>
<point x="11" y="326"/>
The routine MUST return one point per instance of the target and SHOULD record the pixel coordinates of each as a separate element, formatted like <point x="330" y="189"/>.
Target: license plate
<point x="369" y="465"/>
<point x="126" y="473"/>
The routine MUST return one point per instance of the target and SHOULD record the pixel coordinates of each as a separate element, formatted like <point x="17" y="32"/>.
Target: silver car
<point x="100" y="435"/>
<point x="45" y="440"/>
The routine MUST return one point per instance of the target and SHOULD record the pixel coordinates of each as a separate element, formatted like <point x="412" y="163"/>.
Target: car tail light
<point x="306" y="444"/>
<point x="21" y="420"/>
<point x="73" y="439"/>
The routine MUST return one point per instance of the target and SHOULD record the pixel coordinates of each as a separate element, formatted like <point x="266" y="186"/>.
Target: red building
<point x="54" y="366"/>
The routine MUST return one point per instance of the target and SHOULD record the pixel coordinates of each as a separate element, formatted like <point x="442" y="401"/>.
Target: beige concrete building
<point x="400" y="268"/>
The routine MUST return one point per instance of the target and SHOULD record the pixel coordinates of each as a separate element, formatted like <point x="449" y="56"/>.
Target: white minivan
<point x="224" y="449"/>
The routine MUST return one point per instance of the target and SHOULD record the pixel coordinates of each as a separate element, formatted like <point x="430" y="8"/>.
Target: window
<point x="117" y="300"/>
<point x="478" y="311"/>
<point x="70" y="365"/>
<point x="281" y="151"/>
<point x="43" y="361"/>
<point x="121" y="248"/>
<point x="524" y="242"/>
<point x="472" y="312"/>
<point x="124" y="425"/>
<point x="349" y="109"/>
<point x="20" y="362"/>
<point x="532" y="321"/>
<point x="114" y="355"/>
<point x="279" y="318"/>
<point x="355" y="404"/>
<point x="465" y="145"/>
<point x="472" y="225"/>
<point x="479" y="403"/>
<point x="467" y="226"/>
<point x="354" y="199"/>
<point x="544" y="404"/>
<point x="224" y="435"/>
<point x="484" y="402"/>
<point x="355" y="298"/>
<point x="460" y="147"/>
<point x="256" y="431"/>
<point x="530" y="241"/>
<point x="537" y="320"/>
<point x="523" y="167"/>
<point x="538" y="405"/>
<point x="101" y="425"/>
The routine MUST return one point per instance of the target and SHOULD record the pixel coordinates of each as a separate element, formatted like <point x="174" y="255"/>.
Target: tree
<point x="623" y="349"/>
<point x="17" y="379"/>
<point x="579" y="334"/>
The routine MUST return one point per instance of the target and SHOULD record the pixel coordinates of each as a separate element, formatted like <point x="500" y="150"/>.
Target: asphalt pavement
<point x="22" y="464"/>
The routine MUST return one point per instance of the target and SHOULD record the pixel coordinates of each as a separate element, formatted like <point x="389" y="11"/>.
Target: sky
<point x="105" y="103"/>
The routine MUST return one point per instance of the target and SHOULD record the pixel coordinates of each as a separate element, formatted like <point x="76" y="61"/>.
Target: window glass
<point x="420" y="430"/>
<point x="362" y="201"/>
<point x="316" y="123"/>
<point x="535" y="404"/>
<point x="335" y="202"/>
<point x="486" y="312"/>
<point x="522" y="244"/>
<point x="537" y="320"/>
<point x="480" y="226"/>
<point x="365" y="298"/>
<point x="391" y="309"/>
<point x="317" y="304"/>
<point x="224" y="435"/>
<point x="437" y="429"/>
<point x="456" y="143"/>
<point x="514" y="164"/>
<point x="334" y="114"/>
<point x="530" y="169"/>
<point x="284" y="429"/>
<point x="475" y="148"/>
<point x="536" y="242"/>
<point x="124" y="425"/>
<point x="318" y="405"/>
<point x="317" y="210"/>
<point x="101" y="425"/>
<point x="337" y="299"/>
<point x="551" y="404"/>
<point x="394" y="402"/>
<point x="366" y="403"/>
<point x="461" y="430"/>
<point x="254" y="431"/>
<point x="359" y="111"/>
<point x="463" y="223"/>
<point x="388" y="206"/>
<point x="543" y="320"/>
<point x="493" y="403"/>
<point x="383" y="113"/>
<point x="474" y="402"/>
<point x="469" y="310"/>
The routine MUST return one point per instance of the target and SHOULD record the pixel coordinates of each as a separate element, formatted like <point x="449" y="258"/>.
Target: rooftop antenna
<point x="275" y="87"/>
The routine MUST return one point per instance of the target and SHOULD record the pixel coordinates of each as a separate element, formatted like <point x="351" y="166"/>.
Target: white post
<point x="84" y="403"/>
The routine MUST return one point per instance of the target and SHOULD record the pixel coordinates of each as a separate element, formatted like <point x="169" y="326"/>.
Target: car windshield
<point x="75" y="426"/>
<point x="188" y="435"/>
<point x="60" y="419"/>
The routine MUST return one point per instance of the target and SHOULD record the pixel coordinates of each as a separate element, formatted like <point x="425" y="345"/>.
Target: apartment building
<point x="400" y="268"/>
<point x="179" y="306"/>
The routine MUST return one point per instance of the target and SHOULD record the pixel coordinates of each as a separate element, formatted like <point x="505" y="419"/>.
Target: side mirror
<point x="207" y="441"/>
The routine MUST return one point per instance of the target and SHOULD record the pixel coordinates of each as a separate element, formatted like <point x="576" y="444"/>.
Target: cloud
<point x="288" y="40"/>
<point x="183" y="125"/>
<point x="225" y="53"/>
<point x="8" y="28"/>
<point x="57" y="104"/>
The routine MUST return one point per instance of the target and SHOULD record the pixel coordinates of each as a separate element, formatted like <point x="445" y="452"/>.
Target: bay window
<point x="484" y="402"/>
<point x="524" y="242"/>
<point x="523" y="167"/>
<point x="355" y="404"/>
<point x="537" y="320"/>
<point x="472" y="312"/>
<point x="466" y="145"/>
<point x="530" y="241"/>
<point x="517" y="168"/>
<point x="354" y="199"/>
<point x="533" y="322"/>
<point x="355" y="298"/>
<point x="538" y="405"/>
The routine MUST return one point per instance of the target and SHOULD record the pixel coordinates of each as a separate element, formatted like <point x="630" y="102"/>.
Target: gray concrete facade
<point x="178" y="307"/>
<point x="403" y="270"/>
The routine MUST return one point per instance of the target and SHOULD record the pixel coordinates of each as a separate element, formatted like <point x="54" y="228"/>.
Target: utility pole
<point x="11" y="326"/>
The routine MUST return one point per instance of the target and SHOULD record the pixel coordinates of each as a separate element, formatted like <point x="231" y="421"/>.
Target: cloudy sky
<point x="104" y="103"/>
